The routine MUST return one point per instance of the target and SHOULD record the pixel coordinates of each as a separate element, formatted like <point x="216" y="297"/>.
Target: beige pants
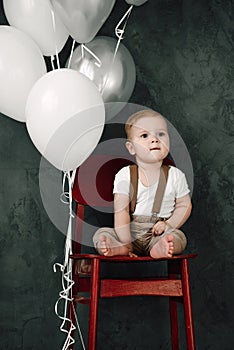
<point x="142" y="239"/>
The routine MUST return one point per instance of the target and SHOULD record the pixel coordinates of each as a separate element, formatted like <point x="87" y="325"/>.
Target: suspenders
<point x="159" y="193"/>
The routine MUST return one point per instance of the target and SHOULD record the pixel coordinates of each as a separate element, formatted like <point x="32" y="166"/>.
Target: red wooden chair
<point x="96" y="190"/>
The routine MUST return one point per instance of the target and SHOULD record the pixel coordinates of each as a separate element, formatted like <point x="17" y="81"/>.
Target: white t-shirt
<point x="176" y="187"/>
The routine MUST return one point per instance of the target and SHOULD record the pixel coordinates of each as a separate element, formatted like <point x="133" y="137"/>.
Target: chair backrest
<point x="94" y="179"/>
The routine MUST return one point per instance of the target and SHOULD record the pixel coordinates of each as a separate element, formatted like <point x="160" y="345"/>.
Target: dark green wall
<point x="184" y="55"/>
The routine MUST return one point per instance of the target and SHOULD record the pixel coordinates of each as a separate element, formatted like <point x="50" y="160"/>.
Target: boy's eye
<point x="144" y="136"/>
<point x="161" y="133"/>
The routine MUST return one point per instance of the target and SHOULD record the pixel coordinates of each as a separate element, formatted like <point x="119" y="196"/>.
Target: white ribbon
<point x="65" y="295"/>
<point x="120" y="32"/>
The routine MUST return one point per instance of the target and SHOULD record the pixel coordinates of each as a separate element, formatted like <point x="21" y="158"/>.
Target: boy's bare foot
<point x="164" y="248"/>
<point x="110" y="247"/>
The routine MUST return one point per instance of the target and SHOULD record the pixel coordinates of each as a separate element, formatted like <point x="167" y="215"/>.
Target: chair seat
<point x="123" y="258"/>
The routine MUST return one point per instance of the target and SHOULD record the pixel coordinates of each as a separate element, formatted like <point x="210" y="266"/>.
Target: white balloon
<point x="21" y="65"/>
<point x="38" y="19"/>
<point x="65" y="117"/>
<point x="83" y="18"/>
<point x="136" y="2"/>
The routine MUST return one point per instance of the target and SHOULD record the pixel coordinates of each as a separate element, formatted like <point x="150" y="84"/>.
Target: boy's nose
<point x="154" y="138"/>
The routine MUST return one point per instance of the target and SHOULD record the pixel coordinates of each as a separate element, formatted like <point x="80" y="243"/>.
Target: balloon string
<point x="54" y="28"/>
<point x="72" y="50"/>
<point x="98" y="62"/>
<point x="119" y="33"/>
<point x="65" y="294"/>
<point x="66" y="196"/>
<point x="52" y="62"/>
<point x="67" y="284"/>
<point x="82" y="51"/>
<point x="78" y="327"/>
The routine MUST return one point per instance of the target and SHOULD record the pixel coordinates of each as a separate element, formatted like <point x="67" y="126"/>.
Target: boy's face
<point x="149" y="140"/>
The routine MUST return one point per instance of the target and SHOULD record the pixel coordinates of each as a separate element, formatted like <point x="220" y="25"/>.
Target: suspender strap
<point x="160" y="189"/>
<point x="133" y="187"/>
<point x="159" y="193"/>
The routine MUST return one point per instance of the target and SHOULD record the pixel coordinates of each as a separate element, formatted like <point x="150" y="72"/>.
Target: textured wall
<point x="184" y="57"/>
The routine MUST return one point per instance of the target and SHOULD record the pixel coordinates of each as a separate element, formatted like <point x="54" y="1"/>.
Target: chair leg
<point x="174" y="268"/>
<point x="174" y="324"/>
<point x="94" y="296"/>
<point x="187" y="306"/>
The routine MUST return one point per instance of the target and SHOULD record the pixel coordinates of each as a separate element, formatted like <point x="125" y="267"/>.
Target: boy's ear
<point x="130" y="148"/>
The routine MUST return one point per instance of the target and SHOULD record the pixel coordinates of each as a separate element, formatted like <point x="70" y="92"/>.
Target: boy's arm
<point x="181" y="213"/>
<point x="122" y="219"/>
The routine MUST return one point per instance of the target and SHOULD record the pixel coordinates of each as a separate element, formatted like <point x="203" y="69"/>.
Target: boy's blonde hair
<point x="138" y="115"/>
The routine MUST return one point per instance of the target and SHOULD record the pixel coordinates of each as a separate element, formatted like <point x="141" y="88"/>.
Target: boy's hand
<point x="159" y="228"/>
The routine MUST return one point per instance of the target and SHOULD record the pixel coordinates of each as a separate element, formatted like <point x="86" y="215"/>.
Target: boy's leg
<point x="167" y="244"/>
<point x="107" y="243"/>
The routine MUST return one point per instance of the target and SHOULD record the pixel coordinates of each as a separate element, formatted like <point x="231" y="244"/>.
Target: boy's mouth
<point x="155" y="149"/>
